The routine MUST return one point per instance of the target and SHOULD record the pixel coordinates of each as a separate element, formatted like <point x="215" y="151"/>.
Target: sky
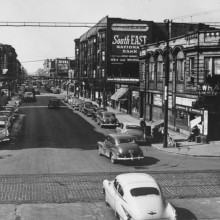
<point x="35" y="44"/>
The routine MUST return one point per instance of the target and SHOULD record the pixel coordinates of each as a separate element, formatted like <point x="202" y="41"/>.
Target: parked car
<point x="4" y="133"/>
<point x="137" y="196"/>
<point x="120" y="147"/>
<point x="8" y="114"/>
<point x="78" y="104"/>
<point x="56" y="91"/>
<point x="81" y="107"/>
<point x="7" y="121"/>
<point x="54" y="103"/>
<point x="88" y="109"/>
<point x="132" y="129"/>
<point x="12" y="108"/>
<point x="29" y="97"/>
<point x="95" y="111"/>
<point x="107" y="119"/>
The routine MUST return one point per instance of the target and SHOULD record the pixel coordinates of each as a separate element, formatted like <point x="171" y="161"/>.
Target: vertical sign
<point x="205" y="132"/>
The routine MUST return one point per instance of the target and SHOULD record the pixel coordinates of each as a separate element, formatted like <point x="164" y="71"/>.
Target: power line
<point x="195" y="14"/>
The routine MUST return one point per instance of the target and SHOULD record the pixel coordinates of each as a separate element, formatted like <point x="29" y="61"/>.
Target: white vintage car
<point x="137" y="196"/>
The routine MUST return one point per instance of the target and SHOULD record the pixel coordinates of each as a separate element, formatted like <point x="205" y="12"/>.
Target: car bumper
<point x="130" y="158"/>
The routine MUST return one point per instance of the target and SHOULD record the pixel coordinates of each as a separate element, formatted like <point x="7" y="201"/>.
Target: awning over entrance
<point x="120" y="92"/>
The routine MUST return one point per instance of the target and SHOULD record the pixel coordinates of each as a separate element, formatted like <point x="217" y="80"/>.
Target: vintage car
<point x="95" y="111"/>
<point x="137" y="196"/>
<point x="29" y="97"/>
<point x="4" y="133"/>
<point x="82" y="106"/>
<point x="8" y="114"/>
<point x="54" y="103"/>
<point x="120" y="147"/>
<point x="88" y="109"/>
<point x="12" y="108"/>
<point x="107" y="119"/>
<point x="7" y="121"/>
<point x="77" y="104"/>
<point x="132" y="129"/>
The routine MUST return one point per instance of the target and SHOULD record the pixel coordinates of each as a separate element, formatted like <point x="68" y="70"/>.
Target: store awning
<point x="120" y="92"/>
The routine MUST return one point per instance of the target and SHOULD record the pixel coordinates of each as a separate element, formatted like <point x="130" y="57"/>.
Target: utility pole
<point x="166" y="88"/>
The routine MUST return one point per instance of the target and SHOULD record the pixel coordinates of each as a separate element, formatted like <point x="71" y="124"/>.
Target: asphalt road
<point x="48" y="141"/>
<point x="49" y="146"/>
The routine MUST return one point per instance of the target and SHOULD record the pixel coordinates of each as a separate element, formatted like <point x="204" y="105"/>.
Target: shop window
<point x="180" y="70"/>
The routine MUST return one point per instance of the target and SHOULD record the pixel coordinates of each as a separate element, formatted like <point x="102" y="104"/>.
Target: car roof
<point x="133" y="179"/>
<point x="117" y="135"/>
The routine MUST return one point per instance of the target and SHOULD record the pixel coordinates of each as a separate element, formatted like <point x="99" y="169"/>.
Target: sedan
<point x="107" y="119"/>
<point x="120" y="147"/>
<point x="132" y="129"/>
<point x="96" y="111"/>
<point x="137" y="196"/>
<point x="54" y="103"/>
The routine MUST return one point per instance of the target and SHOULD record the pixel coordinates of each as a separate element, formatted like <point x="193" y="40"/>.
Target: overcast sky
<point x="40" y="43"/>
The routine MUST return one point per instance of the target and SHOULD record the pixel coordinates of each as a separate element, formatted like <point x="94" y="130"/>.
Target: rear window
<point x="144" y="191"/>
<point x="133" y="127"/>
<point x="124" y="140"/>
<point x="109" y="114"/>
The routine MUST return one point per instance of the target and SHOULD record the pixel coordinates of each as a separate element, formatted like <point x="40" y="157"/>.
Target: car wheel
<point x="106" y="201"/>
<point x="99" y="151"/>
<point x="112" y="158"/>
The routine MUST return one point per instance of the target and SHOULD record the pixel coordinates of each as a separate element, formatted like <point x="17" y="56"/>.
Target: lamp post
<point x="167" y="22"/>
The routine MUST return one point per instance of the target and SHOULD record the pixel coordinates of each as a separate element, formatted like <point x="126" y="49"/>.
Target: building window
<point x="180" y="70"/>
<point x="160" y="68"/>
<point x="151" y="71"/>
<point x="212" y="66"/>
<point x="171" y="71"/>
<point x="142" y="71"/>
<point x="103" y="56"/>
<point x="103" y="73"/>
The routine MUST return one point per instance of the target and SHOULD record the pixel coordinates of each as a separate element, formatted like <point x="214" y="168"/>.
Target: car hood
<point x="148" y="207"/>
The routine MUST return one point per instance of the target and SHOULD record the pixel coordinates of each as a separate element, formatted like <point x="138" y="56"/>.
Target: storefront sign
<point x="184" y="101"/>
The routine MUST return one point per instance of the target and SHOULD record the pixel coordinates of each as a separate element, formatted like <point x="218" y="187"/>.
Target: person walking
<point x="143" y="126"/>
<point x="99" y="101"/>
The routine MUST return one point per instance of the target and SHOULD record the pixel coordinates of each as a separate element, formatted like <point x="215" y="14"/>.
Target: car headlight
<point x="120" y="151"/>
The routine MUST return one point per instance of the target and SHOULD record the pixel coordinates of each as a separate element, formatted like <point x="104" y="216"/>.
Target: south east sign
<point x="127" y="45"/>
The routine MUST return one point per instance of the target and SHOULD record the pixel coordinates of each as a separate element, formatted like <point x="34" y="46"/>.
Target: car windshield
<point x="144" y="191"/>
<point x="108" y="114"/>
<point x="124" y="140"/>
<point x="136" y="127"/>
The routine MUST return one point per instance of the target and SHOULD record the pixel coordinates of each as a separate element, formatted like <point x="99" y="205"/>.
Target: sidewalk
<point x="211" y="149"/>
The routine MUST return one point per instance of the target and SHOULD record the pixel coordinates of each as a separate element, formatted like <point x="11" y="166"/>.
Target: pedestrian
<point x="99" y="101"/>
<point x="194" y="133"/>
<point x="143" y="126"/>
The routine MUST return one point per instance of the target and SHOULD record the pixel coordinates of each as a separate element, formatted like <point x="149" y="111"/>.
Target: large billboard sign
<point x="126" y="41"/>
<point x="62" y="66"/>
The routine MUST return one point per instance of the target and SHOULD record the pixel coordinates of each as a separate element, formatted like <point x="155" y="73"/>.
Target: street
<point x="52" y="158"/>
